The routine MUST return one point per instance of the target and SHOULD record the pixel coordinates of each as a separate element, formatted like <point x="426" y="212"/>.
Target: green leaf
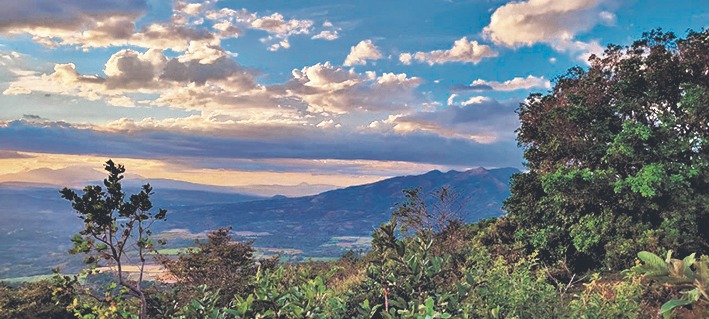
<point x="666" y="309"/>
<point x="657" y="265"/>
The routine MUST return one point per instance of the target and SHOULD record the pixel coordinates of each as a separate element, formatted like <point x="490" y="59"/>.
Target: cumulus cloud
<point x="360" y="53"/>
<point x="131" y="69"/>
<point x="463" y="51"/>
<point x="327" y="88"/>
<point x="557" y="23"/>
<point x="517" y="83"/>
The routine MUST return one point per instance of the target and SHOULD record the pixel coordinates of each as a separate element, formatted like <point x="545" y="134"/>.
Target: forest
<point x="609" y="220"/>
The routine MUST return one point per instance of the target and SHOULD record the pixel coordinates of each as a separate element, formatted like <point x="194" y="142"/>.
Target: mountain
<point x="323" y="225"/>
<point x="37" y="223"/>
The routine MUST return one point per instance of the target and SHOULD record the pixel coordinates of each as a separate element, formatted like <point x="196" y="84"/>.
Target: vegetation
<point x="617" y="156"/>
<point x="618" y="171"/>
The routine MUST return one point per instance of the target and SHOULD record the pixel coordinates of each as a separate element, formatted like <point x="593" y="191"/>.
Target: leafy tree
<point x="219" y="263"/>
<point x="618" y="155"/>
<point x="115" y="227"/>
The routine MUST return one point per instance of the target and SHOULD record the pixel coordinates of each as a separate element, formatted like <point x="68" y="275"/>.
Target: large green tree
<point x="618" y="155"/>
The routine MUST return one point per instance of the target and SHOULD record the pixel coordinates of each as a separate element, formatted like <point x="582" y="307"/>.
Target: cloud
<point x="360" y="53"/>
<point x="327" y="88"/>
<point x="276" y="25"/>
<point x="16" y="90"/>
<point x="517" y="83"/>
<point x="463" y="51"/>
<point x="188" y="8"/>
<point x="557" y="23"/>
<point x="226" y="29"/>
<point x="406" y="58"/>
<point x="582" y="50"/>
<point x="134" y="70"/>
<point x="418" y="146"/>
<point x="480" y="119"/>
<point x="21" y="16"/>
<point x="328" y="35"/>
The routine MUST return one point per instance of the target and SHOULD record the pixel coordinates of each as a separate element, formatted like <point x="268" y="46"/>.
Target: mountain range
<point x="37" y="223"/>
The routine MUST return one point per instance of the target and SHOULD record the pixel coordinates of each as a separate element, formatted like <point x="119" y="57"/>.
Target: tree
<point x="618" y="155"/>
<point x="115" y="228"/>
<point x="219" y="263"/>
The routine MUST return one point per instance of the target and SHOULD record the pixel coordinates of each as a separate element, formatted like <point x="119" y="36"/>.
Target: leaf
<point x="657" y="266"/>
<point x="666" y="309"/>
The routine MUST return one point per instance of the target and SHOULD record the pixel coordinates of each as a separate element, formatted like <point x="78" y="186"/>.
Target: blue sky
<point x="259" y="94"/>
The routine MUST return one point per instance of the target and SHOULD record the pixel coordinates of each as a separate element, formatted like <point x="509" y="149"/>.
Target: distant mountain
<point x="37" y="224"/>
<point x="318" y="224"/>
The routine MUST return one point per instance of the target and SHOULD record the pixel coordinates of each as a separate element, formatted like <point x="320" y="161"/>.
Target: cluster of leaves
<point x="688" y="274"/>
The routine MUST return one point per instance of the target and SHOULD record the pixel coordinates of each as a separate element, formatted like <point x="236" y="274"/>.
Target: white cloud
<point x="451" y="99"/>
<point x="328" y="124"/>
<point x="463" y="51"/>
<point x="328" y="35"/>
<point x="276" y="25"/>
<point x="406" y="58"/>
<point x="518" y="83"/>
<point x="475" y="100"/>
<point x="360" y="53"/>
<point x="556" y="23"/>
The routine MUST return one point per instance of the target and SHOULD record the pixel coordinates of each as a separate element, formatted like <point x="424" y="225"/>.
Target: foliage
<point x="617" y="156"/>
<point x="686" y="273"/>
<point x="605" y="298"/>
<point x="219" y="263"/>
<point x="311" y="298"/>
<point x="32" y="300"/>
<point x="114" y="228"/>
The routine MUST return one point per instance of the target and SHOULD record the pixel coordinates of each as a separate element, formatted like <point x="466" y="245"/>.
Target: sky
<point x="289" y="97"/>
